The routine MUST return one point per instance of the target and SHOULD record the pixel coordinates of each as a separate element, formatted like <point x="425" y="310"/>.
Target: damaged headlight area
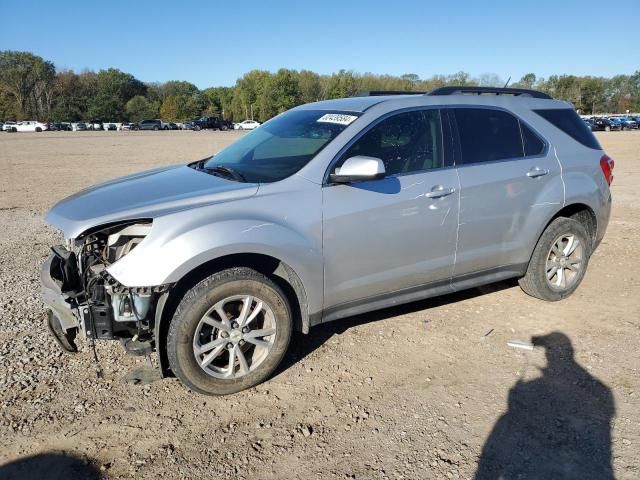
<point x="104" y="308"/>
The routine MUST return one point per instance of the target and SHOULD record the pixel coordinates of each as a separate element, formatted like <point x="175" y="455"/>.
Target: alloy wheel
<point x="234" y="336"/>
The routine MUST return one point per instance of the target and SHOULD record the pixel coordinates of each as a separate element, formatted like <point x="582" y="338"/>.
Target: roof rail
<point x="379" y="93"/>
<point x="517" y="92"/>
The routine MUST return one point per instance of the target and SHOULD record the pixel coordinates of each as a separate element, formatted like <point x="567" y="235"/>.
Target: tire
<point x="38" y="129"/>
<point x="536" y="282"/>
<point x="607" y="128"/>
<point x="156" y="128"/>
<point x="187" y="332"/>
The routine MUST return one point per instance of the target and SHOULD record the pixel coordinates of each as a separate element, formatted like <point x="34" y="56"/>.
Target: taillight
<point x="606" y="164"/>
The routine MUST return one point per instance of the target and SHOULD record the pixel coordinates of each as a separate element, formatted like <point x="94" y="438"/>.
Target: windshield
<point x="282" y="146"/>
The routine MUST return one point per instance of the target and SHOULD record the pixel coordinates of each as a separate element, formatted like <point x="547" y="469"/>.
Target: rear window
<point x="487" y="135"/>
<point x="567" y="120"/>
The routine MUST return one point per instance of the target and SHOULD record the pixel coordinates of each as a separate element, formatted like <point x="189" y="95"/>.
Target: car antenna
<point x="507" y="82"/>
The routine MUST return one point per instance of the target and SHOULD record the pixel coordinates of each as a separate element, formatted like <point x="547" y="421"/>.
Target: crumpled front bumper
<point x="63" y="319"/>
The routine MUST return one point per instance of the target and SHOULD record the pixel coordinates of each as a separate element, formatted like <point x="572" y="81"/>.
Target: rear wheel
<point x="38" y="129"/>
<point x="229" y="332"/>
<point x="559" y="261"/>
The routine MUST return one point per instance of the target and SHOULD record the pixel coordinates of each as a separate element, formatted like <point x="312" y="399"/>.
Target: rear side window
<point x="567" y="120"/>
<point x="532" y="143"/>
<point x="487" y="135"/>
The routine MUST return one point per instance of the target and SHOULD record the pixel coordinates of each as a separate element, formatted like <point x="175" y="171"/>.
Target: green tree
<point x="28" y="79"/>
<point x="280" y="93"/>
<point x="528" y="80"/>
<point x="178" y="87"/>
<point x="139" y="108"/>
<point x="310" y="89"/>
<point x="113" y="90"/>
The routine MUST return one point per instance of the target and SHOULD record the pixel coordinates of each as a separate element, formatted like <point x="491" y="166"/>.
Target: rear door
<point x="508" y="178"/>
<point x="397" y="233"/>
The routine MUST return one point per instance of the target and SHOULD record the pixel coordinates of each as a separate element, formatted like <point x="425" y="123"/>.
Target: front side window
<point x="281" y="146"/>
<point x="406" y="142"/>
<point x="488" y="135"/>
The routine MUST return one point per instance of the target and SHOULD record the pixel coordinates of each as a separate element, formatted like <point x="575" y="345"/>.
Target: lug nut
<point x="229" y="345"/>
<point x="241" y="342"/>
<point x="224" y="334"/>
<point x="234" y="325"/>
<point x="245" y="330"/>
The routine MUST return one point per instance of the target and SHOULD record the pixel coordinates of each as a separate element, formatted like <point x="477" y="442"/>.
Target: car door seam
<point x="564" y="188"/>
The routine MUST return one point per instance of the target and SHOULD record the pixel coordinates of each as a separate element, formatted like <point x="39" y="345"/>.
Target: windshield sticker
<point x="337" y="118"/>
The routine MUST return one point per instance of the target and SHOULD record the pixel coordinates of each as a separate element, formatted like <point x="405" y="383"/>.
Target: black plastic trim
<point x="516" y="92"/>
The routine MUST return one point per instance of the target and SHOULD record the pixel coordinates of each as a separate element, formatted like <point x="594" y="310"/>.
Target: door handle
<point x="439" y="192"/>
<point x="537" y="172"/>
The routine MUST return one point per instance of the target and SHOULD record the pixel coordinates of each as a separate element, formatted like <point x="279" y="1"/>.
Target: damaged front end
<point x="85" y="299"/>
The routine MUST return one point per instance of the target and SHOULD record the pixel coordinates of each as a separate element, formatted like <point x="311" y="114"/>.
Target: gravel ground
<point x="426" y="390"/>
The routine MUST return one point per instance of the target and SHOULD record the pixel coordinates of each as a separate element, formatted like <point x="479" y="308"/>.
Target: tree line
<point x="32" y="88"/>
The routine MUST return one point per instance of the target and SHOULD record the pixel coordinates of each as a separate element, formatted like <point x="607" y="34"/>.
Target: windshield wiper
<point x="226" y="172"/>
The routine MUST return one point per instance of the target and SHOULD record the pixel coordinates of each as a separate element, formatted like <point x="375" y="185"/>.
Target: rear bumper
<point x="603" y="221"/>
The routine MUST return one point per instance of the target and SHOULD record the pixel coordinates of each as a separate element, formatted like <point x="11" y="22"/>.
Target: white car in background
<point x="31" y="126"/>
<point x="9" y="126"/>
<point x="246" y="125"/>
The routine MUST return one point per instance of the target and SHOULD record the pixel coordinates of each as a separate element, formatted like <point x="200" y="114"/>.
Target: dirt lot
<point x="410" y="392"/>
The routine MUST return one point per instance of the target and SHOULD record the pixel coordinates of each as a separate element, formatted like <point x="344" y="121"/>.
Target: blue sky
<point x="212" y="43"/>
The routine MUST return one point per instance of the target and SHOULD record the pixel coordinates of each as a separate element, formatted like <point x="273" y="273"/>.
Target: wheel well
<point x="583" y="214"/>
<point x="281" y="273"/>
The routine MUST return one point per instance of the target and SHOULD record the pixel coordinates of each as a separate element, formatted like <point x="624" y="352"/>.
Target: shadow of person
<point x="50" y="466"/>
<point x="558" y="426"/>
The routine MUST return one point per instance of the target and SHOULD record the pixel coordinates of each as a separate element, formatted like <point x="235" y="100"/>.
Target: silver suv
<point x="329" y="210"/>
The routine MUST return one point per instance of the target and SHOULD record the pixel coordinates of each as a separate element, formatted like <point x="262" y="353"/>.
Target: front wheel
<point x="559" y="261"/>
<point x="229" y="332"/>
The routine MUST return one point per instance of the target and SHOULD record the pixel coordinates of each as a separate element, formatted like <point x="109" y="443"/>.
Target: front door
<point x="384" y="236"/>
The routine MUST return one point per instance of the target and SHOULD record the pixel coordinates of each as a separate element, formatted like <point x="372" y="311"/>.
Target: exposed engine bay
<point x="104" y="308"/>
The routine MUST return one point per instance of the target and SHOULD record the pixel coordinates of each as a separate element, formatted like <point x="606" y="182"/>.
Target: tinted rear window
<point x="487" y="135"/>
<point x="532" y="143"/>
<point x="567" y="120"/>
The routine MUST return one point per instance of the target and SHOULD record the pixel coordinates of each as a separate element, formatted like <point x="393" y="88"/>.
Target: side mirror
<point x="358" y="168"/>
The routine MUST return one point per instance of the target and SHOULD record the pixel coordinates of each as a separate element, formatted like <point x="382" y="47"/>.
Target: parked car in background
<point x="110" y="126"/>
<point x="60" y="127"/>
<point x="80" y="127"/>
<point x="246" y="125"/>
<point x="95" y="125"/>
<point x="152" y="125"/>
<point x="335" y="208"/>
<point x="31" y="126"/>
<point x="601" y="124"/>
<point x="589" y="123"/>
<point x="8" y="126"/>
<point x="173" y="126"/>
<point x="208" y="123"/>
<point x="617" y="122"/>
<point x="629" y="123"/>
<point x="129" y="126"/>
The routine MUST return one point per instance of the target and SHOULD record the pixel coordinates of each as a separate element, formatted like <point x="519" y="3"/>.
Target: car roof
<point x="360" y="104"/>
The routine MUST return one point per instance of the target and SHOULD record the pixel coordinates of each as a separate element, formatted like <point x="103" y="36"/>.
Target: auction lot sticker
<point x="337" y="118"/>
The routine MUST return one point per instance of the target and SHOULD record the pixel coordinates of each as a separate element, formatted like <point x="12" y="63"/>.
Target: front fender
<point x="172" y="250"/>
